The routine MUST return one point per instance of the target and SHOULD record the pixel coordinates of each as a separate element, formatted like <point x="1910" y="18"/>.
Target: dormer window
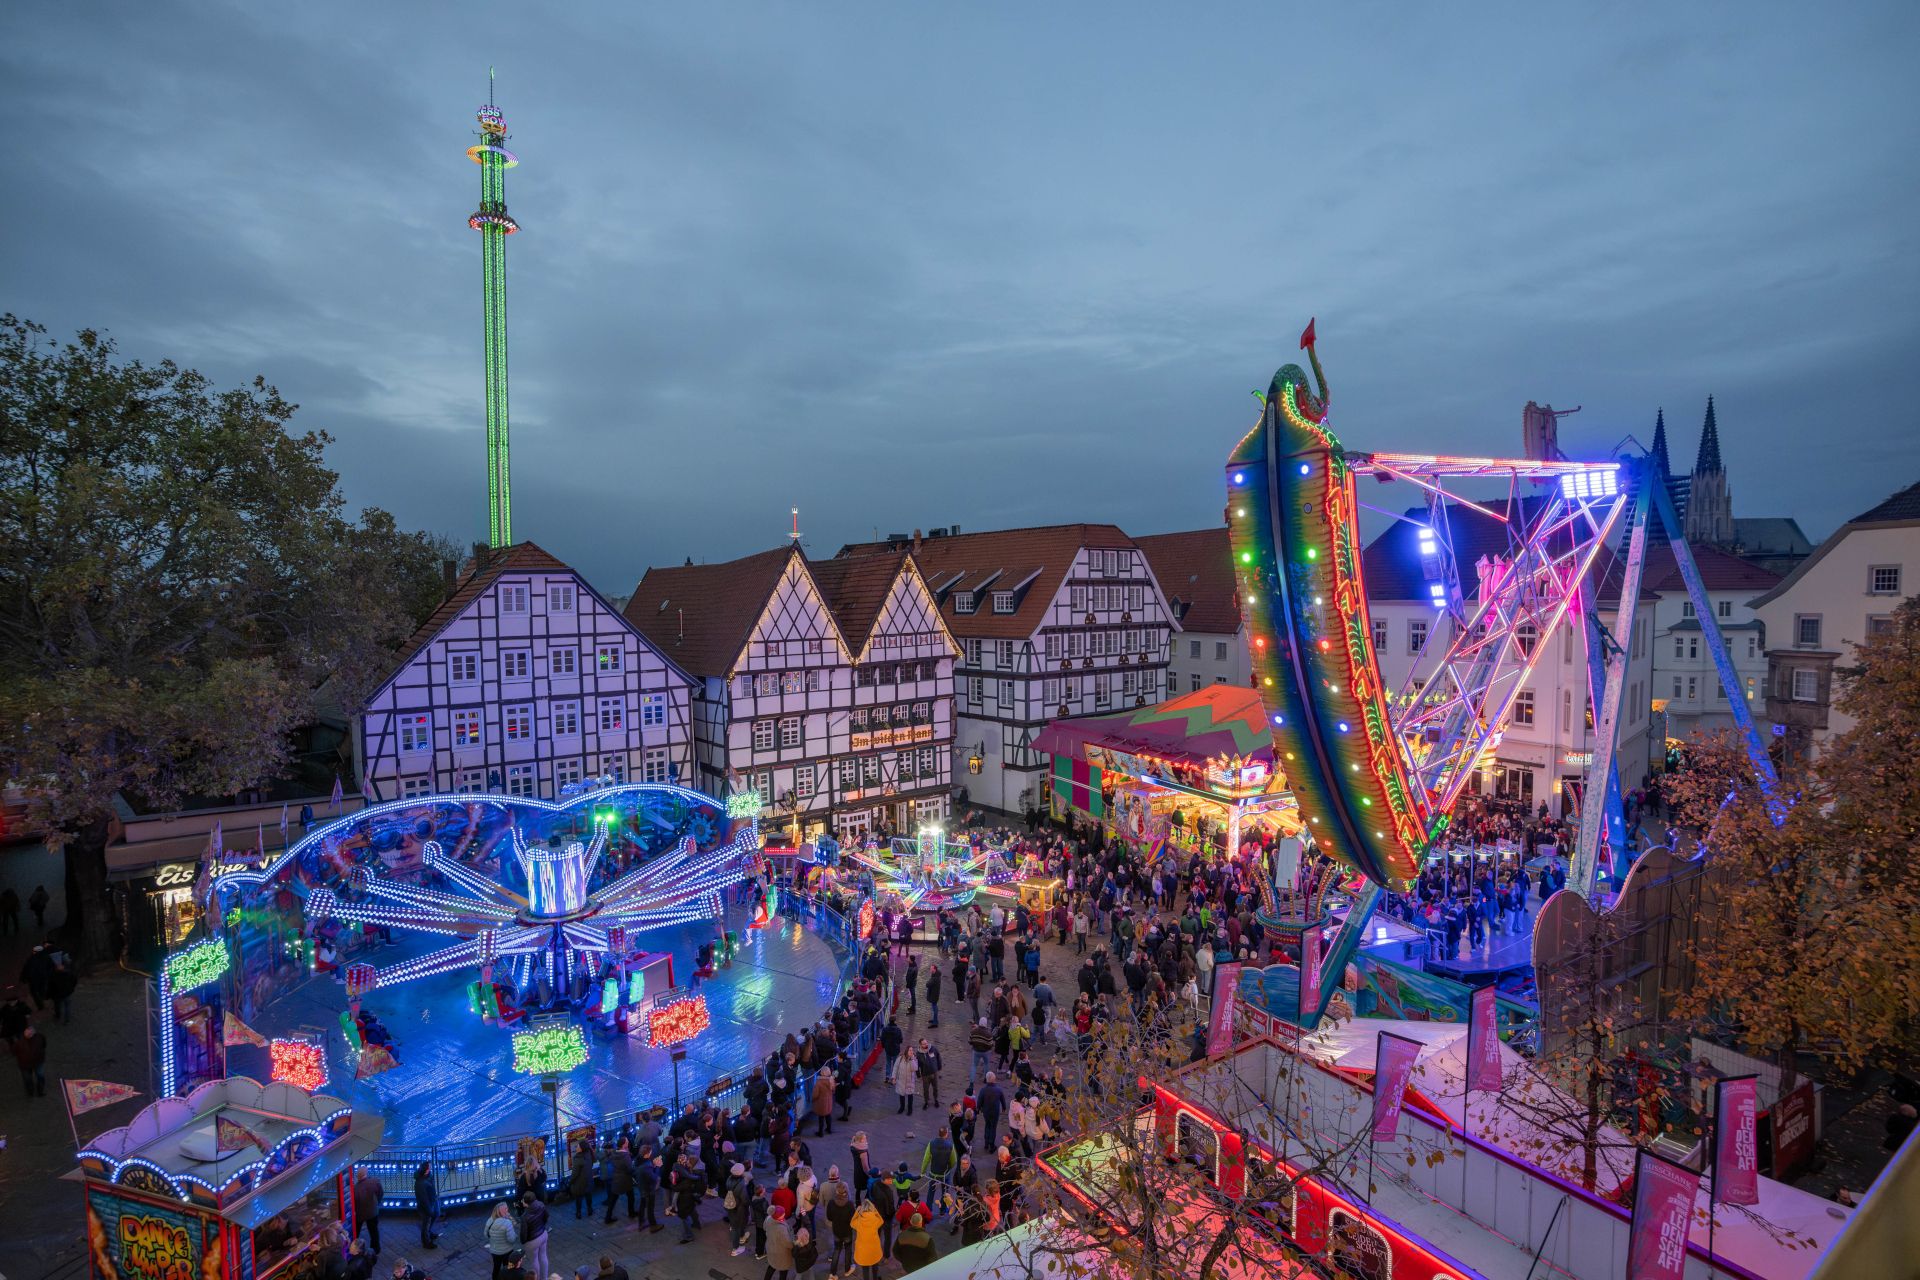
<point x="1003" y="602"/>
<point x="963" y="602"/>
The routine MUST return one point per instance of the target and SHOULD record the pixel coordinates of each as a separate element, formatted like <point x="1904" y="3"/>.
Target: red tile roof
<point x="855" y="589"/>
<point x="1195" y="570"/>
<point x="1037" y="557"/>
<point x="701" y="615"/>
<point x="1718" y="570"/>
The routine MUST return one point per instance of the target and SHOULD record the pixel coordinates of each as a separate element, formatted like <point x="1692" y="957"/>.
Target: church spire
<point x="1709" y="459"/>
<point x="1660" y="441"/>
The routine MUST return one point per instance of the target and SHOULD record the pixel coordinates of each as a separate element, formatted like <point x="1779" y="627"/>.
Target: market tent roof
<point x="1220" y="720"/>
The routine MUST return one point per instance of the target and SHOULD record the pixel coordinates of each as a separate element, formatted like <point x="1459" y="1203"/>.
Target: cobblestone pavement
<point x="107" y="1040"/>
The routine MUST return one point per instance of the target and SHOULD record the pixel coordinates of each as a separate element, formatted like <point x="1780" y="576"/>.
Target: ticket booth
<point x="235" y="1181"/>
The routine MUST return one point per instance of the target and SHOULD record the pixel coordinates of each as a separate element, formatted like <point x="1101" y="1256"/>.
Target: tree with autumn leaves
<point x="1813" y="939"/>
<point x="177" y="574"/>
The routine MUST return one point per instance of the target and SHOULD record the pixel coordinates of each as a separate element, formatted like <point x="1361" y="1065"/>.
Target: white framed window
<point x="766" y="684"/>
<point x="1131" y="641"/>
<point x="518" y="721"/>
<point x="1052" y="644"/>
<point x="929" y="762"/>
<point x="467" y="731"/>
<point x="1003" y="602"/>
<point x="1077" y="599"/>
<point x="416" y="732"/>
<point x="1523" y="707"/>
<point x="1193" y="685"/>
<point x="1526" y="635"/>
<point x="1883" y="580"/>
<point x="1050" y="693"/>
<point x="654" y="766"/>
<point x="923" y="713"/>
<point x="560" y="597"/>
<point x="1005" y="657"/>
<point x="763" y="784"/>
<point x="976" y="689"/>
<point x="1679" y="647"/>
<point x="1379" y="635"/>
<point x="1136" y="598"/>
<point x="813" y="680"/>
<point x="763" y="735"/>
<point x="1416" y="635"/>
<point x="1219" y="650"/>
<point x="516" y="664"/>
<point x="1193" y="648"/>
<point x="566" y="719"/>
<point x="563" y="661"/>
<point x="1806" y="630"/>
<point x="973" y="653"/>
<point x="869" y="769"/>
<point x="1879" y="624"/>
<point x="1693" y="688"/>
<point x="790" y="731"/>
<point x="463" y="668"/>
<point x="472" y="782"/>
<point x="793" y="682"/>
<point x="803" y="782"/>
<point x="613" y="714"/>
<point x="1102" y="689"/>
<point x="1676" y="686"/>
<point x="414" y="788"/>
<point x="1070" y="689"/>
<point x="1006" y="694"/>
<point x="566" y="773"/>
<point x="963" y="602"/>
<point x="520" y="777"/>
<point x="1126" y="681"/>
<point x="1753" y="646"/>
<point x="653" y="709"/>
<point x="1806" y="685"/>
<point x="1686" y="609"/>
<point x="1724" y="608"/>
<point x="1076" y="643"/>
<point x="609" y="657"/>
<point x="1566" y="710"/>
<point x="513" y="598"/>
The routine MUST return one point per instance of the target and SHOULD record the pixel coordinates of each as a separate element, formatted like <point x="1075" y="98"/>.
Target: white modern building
<point x="1053" y="621"/>
<point x="1841" y="594"/>
<point x="1195" y="569"/>
<point x="826" y="687"/>
<point x="523" y="681"/>
<point x="1686" y="687"/>
<point x="1542" y="756"/>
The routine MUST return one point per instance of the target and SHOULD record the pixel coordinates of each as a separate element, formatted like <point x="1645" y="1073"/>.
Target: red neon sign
<point x="677" y="1021"/>
<point x="298" y="1062"/>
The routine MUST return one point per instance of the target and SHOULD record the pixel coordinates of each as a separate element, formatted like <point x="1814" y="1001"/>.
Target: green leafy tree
<point x="177" y="575"/>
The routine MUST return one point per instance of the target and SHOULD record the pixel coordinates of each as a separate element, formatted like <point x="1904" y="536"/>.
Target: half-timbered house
<point x="523" y="681"/>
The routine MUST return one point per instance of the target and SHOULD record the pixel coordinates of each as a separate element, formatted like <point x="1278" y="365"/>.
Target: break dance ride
<point x="1375" y="775"/>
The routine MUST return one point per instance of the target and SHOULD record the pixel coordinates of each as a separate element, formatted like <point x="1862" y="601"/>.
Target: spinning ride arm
<point x="1296" y="556"/>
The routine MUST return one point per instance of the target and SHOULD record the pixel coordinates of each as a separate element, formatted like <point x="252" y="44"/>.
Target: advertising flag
<point x="1226" y="980"/>
<point x="90" y="1095"/>
<point x="235" y="1032"/>
<point x="1392" y="1069"/>
<point x="1663" y="1195"/>
<point x="231" y="1135"/>
<point x="1483" y="1041"/>
<point x="1736" y="1141"/>
<point x="339" y="793"/>
<point x="1309" y="975"/>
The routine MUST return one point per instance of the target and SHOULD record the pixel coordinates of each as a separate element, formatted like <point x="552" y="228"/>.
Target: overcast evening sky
<point x="990" y="264"/>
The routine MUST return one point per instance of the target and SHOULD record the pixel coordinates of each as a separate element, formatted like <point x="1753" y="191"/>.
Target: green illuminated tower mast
<point x="494" y="225"/>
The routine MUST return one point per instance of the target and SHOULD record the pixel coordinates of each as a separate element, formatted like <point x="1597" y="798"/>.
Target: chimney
<point x="450" y="571"/>
<point x="481" y="553"/>
<point x="916" y="540"/>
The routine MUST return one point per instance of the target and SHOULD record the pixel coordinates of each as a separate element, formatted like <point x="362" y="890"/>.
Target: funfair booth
<point x="235" y="1181"/>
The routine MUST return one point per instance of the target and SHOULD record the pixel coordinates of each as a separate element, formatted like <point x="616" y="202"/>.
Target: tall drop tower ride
<point x="494" y="224"/>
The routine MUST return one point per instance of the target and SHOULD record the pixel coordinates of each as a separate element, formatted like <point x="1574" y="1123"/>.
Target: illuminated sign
<point x="677" y="1021"/>
<point x="900" y="737"/>
<point x="197" y="965"/>
<point x="298" y="1062"/>
<point x="549" y="1050"/>
<point x="1577" y="759"/>
<point x="744" y="804"/>
<point x="155" y="1248"/>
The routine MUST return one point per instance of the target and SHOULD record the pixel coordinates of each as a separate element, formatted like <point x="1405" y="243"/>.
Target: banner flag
<point x="231" y="1135"/>
<point x="374" y="1059"/>
<point x="339" y="793"/>
<point x="1736" y="1141"/>
<point x="1226" y="981"/>
<point x="234" y="1032"/>
<point x="1309" y="997"/>
<point x="1663" y="1196"/>
<point x="1483" y="1041"/>
<point x="1393" y="1067"/>
<point x="90" y="1095"/>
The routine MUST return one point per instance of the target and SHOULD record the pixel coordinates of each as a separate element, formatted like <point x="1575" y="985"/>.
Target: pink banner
<point x="1309" y="976"/>
<point x="1483" y="1041"/>
<point x="1663" y="1195"/>
<point x="1736" y="1142"/>
<point x="1226" y="980"/>
<point x="87" y="1095"/>
<point x="1393" y="1067"/>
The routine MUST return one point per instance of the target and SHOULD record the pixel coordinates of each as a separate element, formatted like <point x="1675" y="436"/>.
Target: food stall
<point x="235" y="1181"/>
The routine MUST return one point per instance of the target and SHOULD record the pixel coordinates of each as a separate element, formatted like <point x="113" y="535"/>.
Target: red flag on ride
<point x="1393" y="1067"/>
<point x="1483" y="1041"/>
<point x="1306" y="335"/>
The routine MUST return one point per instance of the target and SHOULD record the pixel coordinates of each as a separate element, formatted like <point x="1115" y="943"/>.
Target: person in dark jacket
<point x="891" y="1038"/>
<point x="620" y="1181"/>
<point x="427" y="1196"/>
<point x="646" y="1181"/>
<point x="367" y="1193"/>
<point x="580" y="1180"/>
<point x="689" y="1186"/>
<point x="933" y="997"/>
<point x="913" y="1248"/>
<point x="913" y="983"/>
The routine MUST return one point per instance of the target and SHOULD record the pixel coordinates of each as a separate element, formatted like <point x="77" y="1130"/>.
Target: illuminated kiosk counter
<point x="235" y="1181"/>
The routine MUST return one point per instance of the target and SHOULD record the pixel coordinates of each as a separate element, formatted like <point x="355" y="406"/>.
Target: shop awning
<point x="1209" y="724"/>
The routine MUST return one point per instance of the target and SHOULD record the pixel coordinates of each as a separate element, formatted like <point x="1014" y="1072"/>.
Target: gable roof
<point x="1718" y="571"/>
<point x="1902" y="508"/>
<point x="522" y="557"/>
<point x="1195" y="569"/>
<point x="1770" y="535"/>
<point x="701" y="615"/>
<point x="856" y="589"/>
<point x="1005" y="559"/>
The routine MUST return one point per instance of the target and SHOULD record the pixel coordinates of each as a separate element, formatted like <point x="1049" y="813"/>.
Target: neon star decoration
<point x="549" y="1050"/>
<point x="677" y="1021"/>
<point x="197" y="965"/>
<point x="926" y="873"/>
<point x="298" y="1062"/>
<point x="560" y="927"/>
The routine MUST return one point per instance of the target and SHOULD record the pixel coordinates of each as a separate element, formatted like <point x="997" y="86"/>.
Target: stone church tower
<point x="1708" y="517"/>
